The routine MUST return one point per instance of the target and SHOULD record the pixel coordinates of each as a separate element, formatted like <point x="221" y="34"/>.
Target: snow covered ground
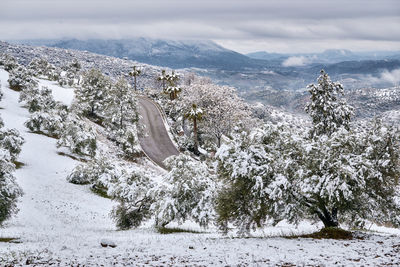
<point x="63" y="224"/>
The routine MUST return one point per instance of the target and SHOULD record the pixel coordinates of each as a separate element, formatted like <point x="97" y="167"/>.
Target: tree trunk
<point x="196" y="142"/>
<point x="328" y="218"/>
<point x="120" y="119"/>
<point x="135" y="83"/>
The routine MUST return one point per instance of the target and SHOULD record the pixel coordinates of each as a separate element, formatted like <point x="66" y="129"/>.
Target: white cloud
<point x="391" y="76"/>
<point x="295" y="61"/>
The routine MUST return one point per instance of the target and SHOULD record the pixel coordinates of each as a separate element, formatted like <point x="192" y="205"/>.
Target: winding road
<point x="156" y="142"/>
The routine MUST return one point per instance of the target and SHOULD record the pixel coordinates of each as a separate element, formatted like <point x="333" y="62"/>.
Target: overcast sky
<point x="241" y="25"/>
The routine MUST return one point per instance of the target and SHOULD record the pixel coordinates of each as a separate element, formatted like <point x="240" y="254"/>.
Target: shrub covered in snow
<point x="50" y="123"/>
<point x="20" y="78"/>
<point x="12" y="141"/>
<point x="10" y="147"/>
<point x="41" y="68"/>
<point x="38" y="99"/>
<point x="8" y="61"/>
<point x="187" y="192"/>
<point x="78" y="136"/>
<point x="98" y="172"/>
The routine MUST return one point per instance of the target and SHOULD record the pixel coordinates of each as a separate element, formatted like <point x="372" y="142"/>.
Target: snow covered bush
<point x="12" y="141"/>
<point x="132" y="191"/>
<point x="10" y="147"/>
<point x="70" y="74"/>
<point x="41" y="68"/>
<point x="9" y="190"/>
<point x="99" y="172"/>
<point x="8" y="61"/>
<point x="91" y="97"/>
<point x="187" y="193"/>
<point x="20" y="78"/>
<point x="50" y="123"/>
<point x="78" y="136"/>
<point x="38" y="99"/>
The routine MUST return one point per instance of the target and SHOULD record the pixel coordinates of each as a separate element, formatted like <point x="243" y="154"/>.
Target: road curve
<point x="156" y="142"/>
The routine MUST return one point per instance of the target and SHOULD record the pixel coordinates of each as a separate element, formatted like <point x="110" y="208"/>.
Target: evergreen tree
<point x="91" y="97"/>
<point x="327" y="112"/>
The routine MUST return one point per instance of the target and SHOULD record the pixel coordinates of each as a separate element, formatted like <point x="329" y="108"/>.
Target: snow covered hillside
<point x="63" y="224"/>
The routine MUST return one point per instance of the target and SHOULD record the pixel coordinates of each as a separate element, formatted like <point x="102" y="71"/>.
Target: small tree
<point x="195" y="114"/>
<point x="163" y="80"/>
<point x="172" y="88"/>
<point x="135" y="72"/>
<point x="92" y="95"/>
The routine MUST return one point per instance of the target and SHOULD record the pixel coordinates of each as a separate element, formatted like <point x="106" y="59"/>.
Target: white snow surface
<point x="63" y="94"/>
<point x="63" y="224"/>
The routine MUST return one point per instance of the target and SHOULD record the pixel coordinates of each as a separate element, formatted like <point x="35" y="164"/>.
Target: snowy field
<point x="63" y="224"/>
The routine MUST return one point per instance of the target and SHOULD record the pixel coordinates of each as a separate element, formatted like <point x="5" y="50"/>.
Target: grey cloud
<point x="229" y="21"/>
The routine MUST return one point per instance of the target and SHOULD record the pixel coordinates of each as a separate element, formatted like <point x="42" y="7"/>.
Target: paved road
<point x="156" y="143"/>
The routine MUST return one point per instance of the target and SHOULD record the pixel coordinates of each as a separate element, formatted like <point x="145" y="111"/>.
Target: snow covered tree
<point x="172" y="89"/>
<point x="247" y="166"/>
<point x="91" y="96"/>
<point x="163" y="80"/>
<point x="132" y="191"/>
<point x="120" y="106"/>
<point x="327" y="112"/>
<point x="348" y="177"/>
<point x="195" y="114"/>
<point x="10" y="147"/>
<point x="135" y="72"/>
<point x="224" y="109"/>
<point x="78" y="136"/>
<point x="20" y="78"/>
<point x="121" y="117"/>
<point x="186" y="194"/>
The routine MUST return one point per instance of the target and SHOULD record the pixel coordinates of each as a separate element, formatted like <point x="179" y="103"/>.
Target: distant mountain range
<point x="254" y="71"/>
<point x="329" y="56"/>
<point x="166" y="53"/>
